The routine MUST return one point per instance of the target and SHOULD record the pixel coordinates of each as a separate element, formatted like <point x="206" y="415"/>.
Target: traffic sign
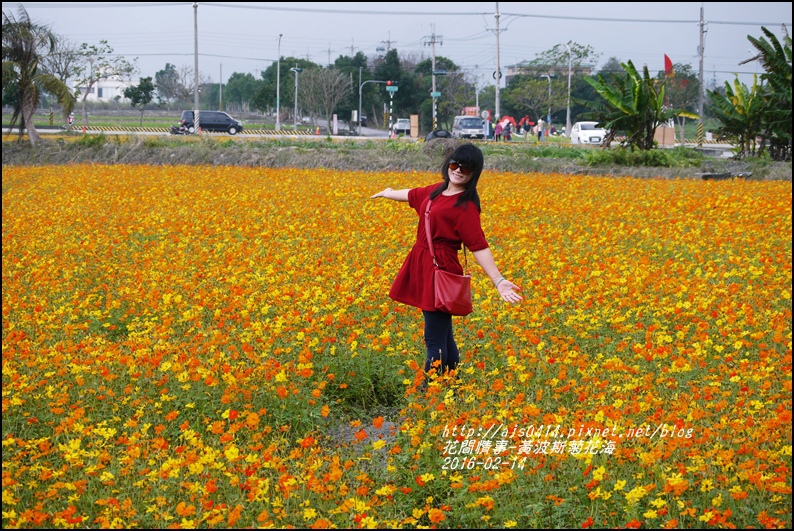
<point x="435" y="94"/>
<point x="392" y="89"/>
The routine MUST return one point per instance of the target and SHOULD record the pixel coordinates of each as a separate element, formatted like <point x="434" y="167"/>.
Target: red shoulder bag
<point x="452" y="292"/>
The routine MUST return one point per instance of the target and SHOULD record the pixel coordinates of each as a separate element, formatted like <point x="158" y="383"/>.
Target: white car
<point x="587" y="133"/>
<point x="402" y="126"/>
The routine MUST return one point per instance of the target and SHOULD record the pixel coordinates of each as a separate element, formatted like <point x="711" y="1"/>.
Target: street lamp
<point x="568" y="112"/>
<point x="295" y="116"/>
<point x="278" y="86"/>
<point x="548" y="117"/>
<point x="360" y="87"/>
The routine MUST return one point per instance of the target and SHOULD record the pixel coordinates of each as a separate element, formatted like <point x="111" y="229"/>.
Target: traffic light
<point x="391" y="83"/>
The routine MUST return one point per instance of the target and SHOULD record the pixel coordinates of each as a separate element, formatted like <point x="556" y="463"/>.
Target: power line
<point x="78" y="5"/>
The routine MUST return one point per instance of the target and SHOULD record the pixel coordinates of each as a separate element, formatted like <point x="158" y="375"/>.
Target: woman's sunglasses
<point x="465" y="170"/>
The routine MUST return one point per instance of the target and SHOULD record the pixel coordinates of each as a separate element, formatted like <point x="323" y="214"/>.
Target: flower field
<point x="214" y="347"/>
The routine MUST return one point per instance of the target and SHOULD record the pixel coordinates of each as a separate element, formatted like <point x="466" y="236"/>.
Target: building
<point x="107" y="90"/>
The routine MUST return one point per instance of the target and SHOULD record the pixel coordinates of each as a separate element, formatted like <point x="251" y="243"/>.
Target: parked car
<point x="468" y="127"/>
<point x="402" y="126"/>
<point x="211" y="121"/>
<point x="587" y="133"/>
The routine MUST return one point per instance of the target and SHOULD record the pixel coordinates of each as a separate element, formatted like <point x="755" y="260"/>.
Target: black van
<point x="212" y="121"/>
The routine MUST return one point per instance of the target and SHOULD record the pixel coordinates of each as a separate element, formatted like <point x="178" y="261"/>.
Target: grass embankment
<point x="396" y="155"/>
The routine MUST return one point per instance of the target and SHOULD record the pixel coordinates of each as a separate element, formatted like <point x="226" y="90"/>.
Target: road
<point x="286" y="131"/>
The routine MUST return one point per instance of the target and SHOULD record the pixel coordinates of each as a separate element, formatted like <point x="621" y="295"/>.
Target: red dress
<point x="450" y="227"/>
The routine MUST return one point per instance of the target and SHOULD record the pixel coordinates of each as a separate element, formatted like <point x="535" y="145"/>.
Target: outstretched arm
<point x="506" y="289"/>
<point x="395" y="195"/>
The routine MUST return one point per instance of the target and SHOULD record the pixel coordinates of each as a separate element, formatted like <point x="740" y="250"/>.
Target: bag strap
<point x="430" y="241"/>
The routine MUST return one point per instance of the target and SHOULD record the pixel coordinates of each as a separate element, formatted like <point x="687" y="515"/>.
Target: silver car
<point x="587" y="133"/>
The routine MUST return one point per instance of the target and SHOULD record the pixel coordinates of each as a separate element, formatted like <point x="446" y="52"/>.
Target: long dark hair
<point x="467" y="155"/>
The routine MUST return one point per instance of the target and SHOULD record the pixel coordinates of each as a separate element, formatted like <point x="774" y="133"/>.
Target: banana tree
<point x="741" y="111"/>
<point x="632" y="103"/>
<point x="775" y="56"/>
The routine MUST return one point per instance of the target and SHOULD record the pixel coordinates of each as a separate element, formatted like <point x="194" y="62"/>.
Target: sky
<point x="238" y="37"/>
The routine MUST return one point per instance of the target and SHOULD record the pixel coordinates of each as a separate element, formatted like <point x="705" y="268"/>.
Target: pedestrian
<point x="527" y="129"/>
<point x="454" y="220"/>
<point x="508" y="131"/>
<point x="541" y="126"/>
<point x="497" y="132"/>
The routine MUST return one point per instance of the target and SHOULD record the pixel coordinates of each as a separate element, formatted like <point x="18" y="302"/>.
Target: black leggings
<point x="440" y="341"/>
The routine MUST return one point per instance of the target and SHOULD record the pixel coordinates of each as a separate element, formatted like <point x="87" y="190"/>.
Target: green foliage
<point x="25" y="44"/>
<point x="776" y="60"/>
<point x="168" y="84"/>
<point x="740" y="110"/>
<point x="92" y="141"/>
<point x="680" y="157"/>
<point x="633" y="103"/>
<point x="98" y="62"/>
<point x="141" y="94"/>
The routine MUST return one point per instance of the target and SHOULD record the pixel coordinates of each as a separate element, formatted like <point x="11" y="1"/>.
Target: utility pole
<point x="498" y="74"/>
<point x="196" y="122"/>
<point x="278" y="86"/>
<point x="568" y="112"/>
<point x="388" y="43"/>
<point x="435" y="94"/>
<point x="297" y="71"/>
<point x="220" y="91"/>
<point x="700" y="79"/>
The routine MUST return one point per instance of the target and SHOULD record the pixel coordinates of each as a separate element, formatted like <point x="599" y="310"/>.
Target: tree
<point x="556" y="59"/>
<point x="167" y="83"/>
<point x="352" y="67"/>
<point x="240" y="90"/>
<point x="391" y="69"/>
<point x="97" y="62"/>
<point x="140" y="95"/>
<point x="265" y="97"/>
<point x="776" y="60"/>
<point x="528" y="95"/>
<point x="741" y="112"/>
<point x="456" y="91"/>
<point x="322" y="89"/>
<point x="633" y="103"/>
<point x="62" y="63"/>
<point x="682" y="91"/>
<point x="612" y="66"/>
<point x="25" y="43"/>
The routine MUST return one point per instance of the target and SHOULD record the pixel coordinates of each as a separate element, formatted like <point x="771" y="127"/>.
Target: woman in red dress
<point x="454" y="220"/>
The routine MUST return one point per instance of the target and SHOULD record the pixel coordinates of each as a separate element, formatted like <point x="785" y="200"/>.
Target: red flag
<point x="668" y="66"/>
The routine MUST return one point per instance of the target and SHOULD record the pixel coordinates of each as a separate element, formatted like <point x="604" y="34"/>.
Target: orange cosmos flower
<point x="252" y="420"/>
<point x="436" y="515"/>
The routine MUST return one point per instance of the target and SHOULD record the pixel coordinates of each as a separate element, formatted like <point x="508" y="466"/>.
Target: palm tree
<point x="24" y="45"/>
<point x="633" y="103"/>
